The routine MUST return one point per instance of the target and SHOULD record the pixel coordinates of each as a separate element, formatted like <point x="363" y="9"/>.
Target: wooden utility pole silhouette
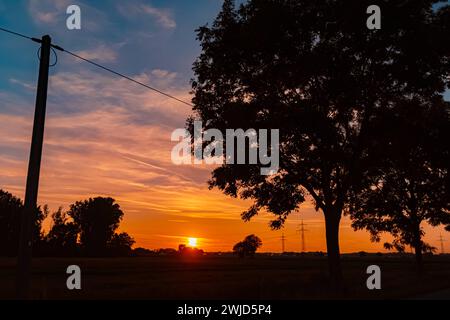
<point x="283" y="239"/>
<point x="302" y="230"/>
<point x="441" y="240"/>
<point x="29" y="213"/>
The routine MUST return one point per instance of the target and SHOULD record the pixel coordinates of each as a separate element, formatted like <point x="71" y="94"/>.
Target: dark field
<point x="227" y="277"/>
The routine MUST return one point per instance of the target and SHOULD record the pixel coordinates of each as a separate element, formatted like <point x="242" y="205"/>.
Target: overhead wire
<point x="97" y="65"/>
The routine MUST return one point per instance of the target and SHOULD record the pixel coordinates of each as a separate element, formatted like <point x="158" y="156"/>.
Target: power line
<point x="123" y="76"/>
<point x="100" y="66"/>
<point x="16" y="33"/>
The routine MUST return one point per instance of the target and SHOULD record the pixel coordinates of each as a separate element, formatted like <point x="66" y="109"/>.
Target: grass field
<point x="226" y="277"/>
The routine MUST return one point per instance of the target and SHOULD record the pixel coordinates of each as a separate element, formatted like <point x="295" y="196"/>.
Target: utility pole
<point x="302" y="230"/>
<point x="283" y="239"/>
<point x="34" y="165"/>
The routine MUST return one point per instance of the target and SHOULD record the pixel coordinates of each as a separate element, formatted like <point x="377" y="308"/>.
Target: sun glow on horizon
<point x="192" y="242"/>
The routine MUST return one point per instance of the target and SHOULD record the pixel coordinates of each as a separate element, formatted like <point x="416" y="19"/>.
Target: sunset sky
<point x="106" y="136"/>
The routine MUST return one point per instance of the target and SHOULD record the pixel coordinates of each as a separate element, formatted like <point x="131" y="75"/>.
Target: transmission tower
<point x="301" y="229"/>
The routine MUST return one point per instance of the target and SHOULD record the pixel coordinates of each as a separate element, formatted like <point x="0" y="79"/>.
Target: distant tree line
<point x="184" y="250"/>
<point x="88" y="228"/>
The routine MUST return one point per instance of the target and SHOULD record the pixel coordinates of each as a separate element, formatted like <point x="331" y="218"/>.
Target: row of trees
<point x="87" y="228"/>
<point x="363" y="122"/>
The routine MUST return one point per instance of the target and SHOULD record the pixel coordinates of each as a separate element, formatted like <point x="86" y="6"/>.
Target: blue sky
<point x="131" y="36"/>
<point x="161" y="37"/>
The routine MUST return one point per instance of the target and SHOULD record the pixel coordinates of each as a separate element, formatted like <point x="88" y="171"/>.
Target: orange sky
<point x="109" y="150"/>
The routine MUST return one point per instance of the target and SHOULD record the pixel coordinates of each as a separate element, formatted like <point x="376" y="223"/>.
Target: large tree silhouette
<point x="313" y="70"/>
<point x="97" y="220"/>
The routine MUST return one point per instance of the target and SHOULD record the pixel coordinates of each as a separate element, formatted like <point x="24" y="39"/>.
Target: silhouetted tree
<point x="62" y="238"/>
<point x="120" y="244"/>
<point x="412" y="184"/>
<point x="189" y="251"/>
<point x="97" y="220"/>
<point x="239" y="249"/>
<point x="313" y="70"/>
<point x="247" y="247"/>
<point x="11" y="208"/>
<point x="166" y="252"/>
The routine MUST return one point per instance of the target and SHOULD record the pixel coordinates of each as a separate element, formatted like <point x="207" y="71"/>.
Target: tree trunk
<point x="419" y="256"/>
<point x="332" y="220"/>
<point x="418" y="247"/>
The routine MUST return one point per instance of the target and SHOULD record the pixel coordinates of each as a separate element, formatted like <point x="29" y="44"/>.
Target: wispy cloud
<point x="162" y="16"/>
<point x="47" y="12"/>
<point x="100" y="53"/>
<point x="24" y="84"/>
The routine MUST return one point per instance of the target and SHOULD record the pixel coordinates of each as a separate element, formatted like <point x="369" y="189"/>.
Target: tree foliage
<point x="88" y="228"/>
<point x="11" y="209"/>
<point x="120" y="244"/>
<point x="62" y="239"/>
<point x="248" y="246"/>
<point x="313" y="70"/>
<point x="97" y="219"/>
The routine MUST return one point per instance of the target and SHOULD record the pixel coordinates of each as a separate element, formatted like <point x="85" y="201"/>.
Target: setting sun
<point x="192" y="242"/>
